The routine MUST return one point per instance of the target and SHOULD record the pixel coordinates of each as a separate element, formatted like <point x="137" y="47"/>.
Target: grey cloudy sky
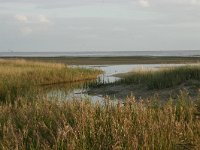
<point x="99" y="25"/>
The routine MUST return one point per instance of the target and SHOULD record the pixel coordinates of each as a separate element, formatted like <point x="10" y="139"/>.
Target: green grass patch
<point x="163" y="78"/>
<point x="20" y="77"/>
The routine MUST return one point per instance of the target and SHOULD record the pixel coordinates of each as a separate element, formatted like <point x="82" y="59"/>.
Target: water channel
<point x="79" y="90"/>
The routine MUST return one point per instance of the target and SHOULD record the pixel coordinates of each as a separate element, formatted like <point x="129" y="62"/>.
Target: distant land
<point x="177" y="53"/>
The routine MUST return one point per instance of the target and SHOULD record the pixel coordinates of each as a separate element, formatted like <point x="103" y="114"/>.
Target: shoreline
<point x="113" y="60"/>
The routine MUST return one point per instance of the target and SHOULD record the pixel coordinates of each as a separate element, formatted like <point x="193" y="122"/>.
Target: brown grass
<point x="44" y="124"/>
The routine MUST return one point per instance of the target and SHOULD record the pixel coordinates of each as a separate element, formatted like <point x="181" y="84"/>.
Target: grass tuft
<point x="164" y="78"/>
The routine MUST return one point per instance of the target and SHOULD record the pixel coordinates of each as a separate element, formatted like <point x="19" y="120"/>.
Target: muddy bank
<point x="114" y="60"/>
<point x="121" y="91"/>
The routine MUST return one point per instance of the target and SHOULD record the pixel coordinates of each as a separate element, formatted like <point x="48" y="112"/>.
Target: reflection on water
<point x="79" y="90"/>
<point x="71" y="91"/>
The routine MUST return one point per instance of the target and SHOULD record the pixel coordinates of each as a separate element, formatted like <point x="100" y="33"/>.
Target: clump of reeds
<point x="43" y="124"/>
<point x="163" y="78"/>
<point x="19" y="77"/>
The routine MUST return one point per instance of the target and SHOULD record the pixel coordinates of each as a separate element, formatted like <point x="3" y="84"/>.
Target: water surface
<point x="185" y="53"/>
<point x="79" y="90"/>
<point x="111" y="70"/>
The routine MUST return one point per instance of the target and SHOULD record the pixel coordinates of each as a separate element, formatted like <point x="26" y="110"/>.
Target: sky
<point x="99" y="25"/>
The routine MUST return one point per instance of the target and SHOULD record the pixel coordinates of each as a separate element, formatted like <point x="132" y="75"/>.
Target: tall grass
<point x="43" y="124"/>
<point x="163" y="78"/>
<point x="20" y="77"/>
<point x="29" y="122"/>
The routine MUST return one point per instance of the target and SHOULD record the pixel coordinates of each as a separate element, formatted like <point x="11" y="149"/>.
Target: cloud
<point x="30" y="23"/>
<point x="144" y="3"/>
<point x="195" y="2"/>
<point x="43" y="19"/>
<point x="28" y="19"/>
<point x="176" y="2"/>
<point x="26" y="30"/>
<point x="119" y="29"/>
<point x="101" y="24"/>
<point x="21" y="18"/>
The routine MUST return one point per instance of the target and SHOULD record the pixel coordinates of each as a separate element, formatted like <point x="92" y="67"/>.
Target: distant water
<point x="188" y="53"/>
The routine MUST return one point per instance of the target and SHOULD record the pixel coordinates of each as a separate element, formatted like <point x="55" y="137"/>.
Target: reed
<point x="20" y="77"/>
<point x="36" y="122"/>
<point x="163" y="78"/>
<point x="44" y="124"/>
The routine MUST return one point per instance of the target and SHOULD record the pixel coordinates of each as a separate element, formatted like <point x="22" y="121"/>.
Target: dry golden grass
<point x="44" y="124"/>
<point x="27" y="122"/>
<point x="17" y="77"/>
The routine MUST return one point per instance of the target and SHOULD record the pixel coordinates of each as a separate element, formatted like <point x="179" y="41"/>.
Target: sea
<point x="180" y="53"/>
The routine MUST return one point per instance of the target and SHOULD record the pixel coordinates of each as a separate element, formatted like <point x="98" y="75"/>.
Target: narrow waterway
<point x="79" y="90"/>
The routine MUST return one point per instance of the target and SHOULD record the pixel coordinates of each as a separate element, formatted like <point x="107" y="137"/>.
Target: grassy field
<point x="19" y="77"/>
<point x="35" y="122"/>
<point x="162" y="78"/>
<point x="43" y="124"/>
